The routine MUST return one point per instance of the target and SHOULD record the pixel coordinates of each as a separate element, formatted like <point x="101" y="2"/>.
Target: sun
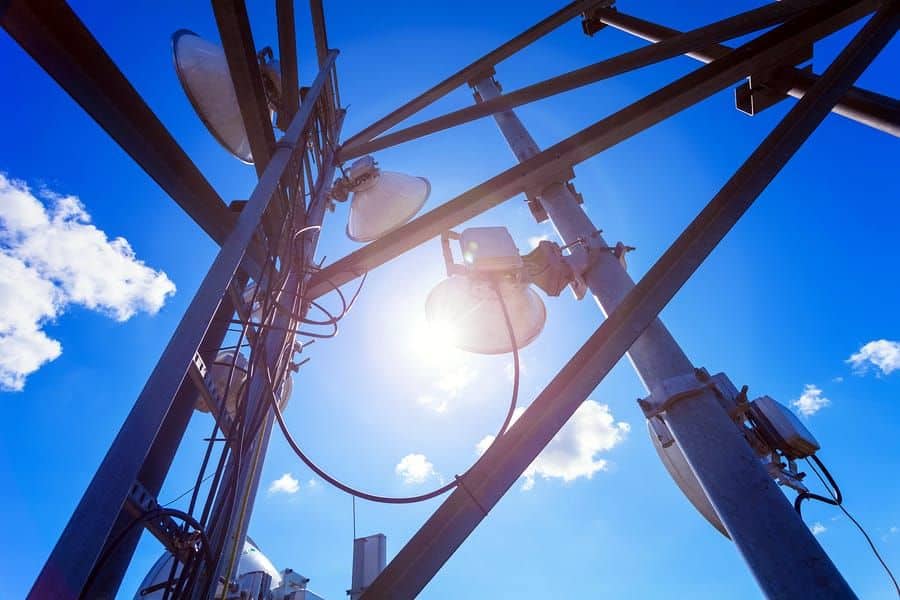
<point x="434" y="343"/>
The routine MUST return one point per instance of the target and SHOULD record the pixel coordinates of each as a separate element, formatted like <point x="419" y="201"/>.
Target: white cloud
<point x="438" y="405"/>
<point x="838" y="380"/>
<point x="534" y="240"/>
<point x="415" y="468"/>
<point x="817" y="528"/>
<point x="883" y="354"/>
<point x="574" y="451"/>
<point x="52" y="256"/>
<point x="810" y="401"/>
<point x="286" y="484"/>
<point x="454" y="380"/>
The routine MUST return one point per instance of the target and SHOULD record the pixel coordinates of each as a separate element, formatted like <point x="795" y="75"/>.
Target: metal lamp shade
<point x="203" y="71"/>
<point x="225" y="378"/>
<point x="252" y="560"/>
<point x="384" y="203"/>
<point x="470" y="312"/>
<point x="679" y="469"/>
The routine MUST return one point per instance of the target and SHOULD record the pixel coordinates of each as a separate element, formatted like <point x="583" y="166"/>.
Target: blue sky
<point x="803" y="282"/>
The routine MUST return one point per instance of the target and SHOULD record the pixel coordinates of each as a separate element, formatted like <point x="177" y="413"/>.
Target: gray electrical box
<point x="783" y="429"/>
<point x="369" y="559"/>
<point x="489" y="249"/>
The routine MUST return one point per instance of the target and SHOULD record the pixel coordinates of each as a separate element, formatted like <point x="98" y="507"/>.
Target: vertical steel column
<point x="785" y="558"/>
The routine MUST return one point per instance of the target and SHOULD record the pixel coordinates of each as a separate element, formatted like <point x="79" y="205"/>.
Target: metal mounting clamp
<point x="678" y="388"/>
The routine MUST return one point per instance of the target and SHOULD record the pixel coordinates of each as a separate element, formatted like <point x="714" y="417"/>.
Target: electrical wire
<point x="836" y="497"/>
<point x="237" y="431"/>
<point x="245" y="426"/>
<point x="838" y="500"/>
<point x="160" y="512"/>
<point x="433" y="493"/>
<point x="258" y="361"/>
<point x="186" y="492"/>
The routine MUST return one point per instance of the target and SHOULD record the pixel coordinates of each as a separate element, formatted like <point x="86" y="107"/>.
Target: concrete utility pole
<point x="785" y="558"/>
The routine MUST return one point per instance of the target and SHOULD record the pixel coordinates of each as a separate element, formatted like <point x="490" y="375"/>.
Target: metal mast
<point x="754" y="511"/>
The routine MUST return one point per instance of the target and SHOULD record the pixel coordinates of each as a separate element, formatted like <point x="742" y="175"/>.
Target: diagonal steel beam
<point x="59" y="42"/>
<point x="287" y="57"/>
<point x="499" y="468"/>
<point x="157" y="463"/>
<point x="863" y="106"/>
<point x="320" y="33"/>
<point x="767" y="50"/>
<point x="697" y="39"/>
<point x="476" y="68"/>
<point x="240" y="51"/>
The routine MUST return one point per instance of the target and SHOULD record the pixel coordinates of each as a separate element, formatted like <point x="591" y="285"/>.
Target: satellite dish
<point x="679" y="469"/>
<point x="382" y="200"/>
<point x="469" y="310"/>
<point x="203" y="72"/>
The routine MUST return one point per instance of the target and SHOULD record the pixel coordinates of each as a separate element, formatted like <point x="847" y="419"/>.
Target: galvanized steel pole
<point x="785" y="558"/>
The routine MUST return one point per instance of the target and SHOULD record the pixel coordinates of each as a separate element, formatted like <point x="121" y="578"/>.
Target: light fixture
<point x="203" y="72"/>
<point x="227" y="373"/>
<point x="468" y="303"/>
<point x="382" y="200"/>
<point x="226" y="367"/>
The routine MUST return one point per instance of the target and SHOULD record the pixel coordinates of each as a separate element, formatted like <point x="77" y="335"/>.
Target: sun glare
<point x="433" y="342"/>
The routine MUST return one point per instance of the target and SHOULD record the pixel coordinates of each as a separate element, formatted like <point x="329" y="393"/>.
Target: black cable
<point x="245" y="425"/>
<point x="237" y="431"/>
<point x="433" y="493"/>
<point x="838" y="500"/>
<point x="836" y="497"/>
<point x="160" y="512"/>
<point x="186" y="492"/>
<point x="250" y="424"/>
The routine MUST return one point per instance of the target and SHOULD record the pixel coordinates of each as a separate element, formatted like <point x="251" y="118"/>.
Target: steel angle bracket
<point x="770" y="86"/>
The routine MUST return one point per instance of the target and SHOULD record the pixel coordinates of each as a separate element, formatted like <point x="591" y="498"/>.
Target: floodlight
<point x="470" y="310"/>
<point x="467" y="305"/>
<point x="382" y="200"/>
<point x="203" y="72"/>
<point x="227" y="373"/>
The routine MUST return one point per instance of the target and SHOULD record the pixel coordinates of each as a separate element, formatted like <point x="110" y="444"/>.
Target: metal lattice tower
<point x="271" y="240"/>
